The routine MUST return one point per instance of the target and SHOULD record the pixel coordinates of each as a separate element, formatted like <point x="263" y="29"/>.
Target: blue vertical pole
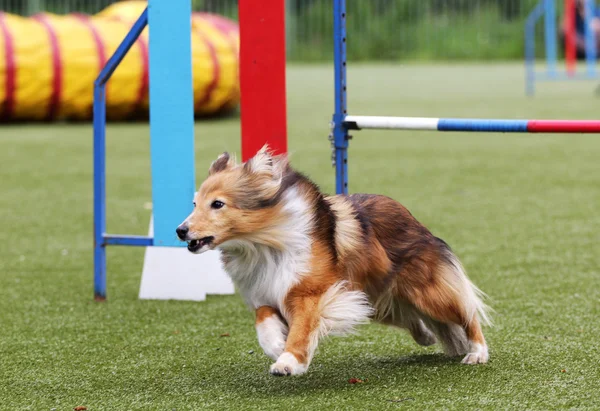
<point x="530" y="56"/>
<point x="590" y="37"/>
<point x="99" y="192"/>
<point x="340" y="132"/>
<point x="171" y="117"/>
<point x="532" y="19"/>
<point x="550" y="35"/>
<point x="100" y="155"/>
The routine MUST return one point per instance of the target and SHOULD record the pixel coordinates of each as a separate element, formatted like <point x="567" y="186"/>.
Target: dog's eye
<point x="217" y="204"/>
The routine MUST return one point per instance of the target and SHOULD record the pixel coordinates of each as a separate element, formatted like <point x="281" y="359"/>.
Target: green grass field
<point x="521" y="211"/>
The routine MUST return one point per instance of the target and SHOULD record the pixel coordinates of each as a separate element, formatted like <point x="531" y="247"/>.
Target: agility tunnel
<point x="48" y="64"/>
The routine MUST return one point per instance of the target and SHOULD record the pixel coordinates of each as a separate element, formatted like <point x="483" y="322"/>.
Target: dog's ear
<point x="261" y="163"/>
<point x="266" y="164"/>
<point x="222" y="163"/>
<point x="264" y="173"/>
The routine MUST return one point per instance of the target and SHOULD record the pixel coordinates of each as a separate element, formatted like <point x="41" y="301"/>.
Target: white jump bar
<point x="396" y="123"/>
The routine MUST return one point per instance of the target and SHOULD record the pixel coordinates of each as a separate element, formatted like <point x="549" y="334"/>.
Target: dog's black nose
<point x="182" y="231"/>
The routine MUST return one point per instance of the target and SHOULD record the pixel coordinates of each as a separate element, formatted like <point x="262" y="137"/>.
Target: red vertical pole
<point x="570" y="36"/>
<point x="262" y="75"/>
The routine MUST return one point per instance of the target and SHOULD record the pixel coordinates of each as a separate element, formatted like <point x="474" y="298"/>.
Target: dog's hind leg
<point x="459" y="334"/>
<point x="452" y="301"/>
<point x="478" y="351"/>
<point x="398" y="313"/>
<point x="452" y="337"/>
<point x="421" y="333"/>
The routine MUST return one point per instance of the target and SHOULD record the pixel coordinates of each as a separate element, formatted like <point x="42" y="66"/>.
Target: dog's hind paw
<point x="478" y="356"/>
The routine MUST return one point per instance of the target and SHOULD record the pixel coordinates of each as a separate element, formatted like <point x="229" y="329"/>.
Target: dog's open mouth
<point x="196" y="245"/>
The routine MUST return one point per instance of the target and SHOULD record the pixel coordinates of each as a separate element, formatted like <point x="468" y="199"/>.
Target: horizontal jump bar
<point x="136" y="240"/>
<point x="449" y="124"/>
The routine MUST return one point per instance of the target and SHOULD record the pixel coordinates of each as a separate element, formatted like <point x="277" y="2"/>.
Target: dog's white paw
<point x="478" y="355"/>
<point x="286" y="365"/>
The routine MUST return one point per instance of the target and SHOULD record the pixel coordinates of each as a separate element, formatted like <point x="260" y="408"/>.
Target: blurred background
<point x="386" y="29"/>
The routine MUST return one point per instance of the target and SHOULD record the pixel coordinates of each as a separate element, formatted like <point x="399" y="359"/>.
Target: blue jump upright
<point x="339" y="136"/>
<point x="546" y="9"/>
<point x="171" y="117"/>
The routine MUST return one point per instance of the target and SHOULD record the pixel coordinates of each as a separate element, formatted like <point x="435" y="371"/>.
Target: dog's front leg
<point x="271" y="330"/>
<point x="302" y="339"/>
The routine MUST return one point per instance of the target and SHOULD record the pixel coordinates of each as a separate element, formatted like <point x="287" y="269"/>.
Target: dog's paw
<point x="479" y="355"/>
<point x="286" y="365"/>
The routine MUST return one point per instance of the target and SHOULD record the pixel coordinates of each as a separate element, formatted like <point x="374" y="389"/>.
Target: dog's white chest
<point x="263" y="275"/>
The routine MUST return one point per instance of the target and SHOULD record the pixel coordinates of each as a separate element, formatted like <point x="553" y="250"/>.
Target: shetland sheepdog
<point x="312" y="265"/>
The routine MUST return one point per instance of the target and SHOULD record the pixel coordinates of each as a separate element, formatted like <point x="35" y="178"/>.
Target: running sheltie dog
<point x="312" y="265"/>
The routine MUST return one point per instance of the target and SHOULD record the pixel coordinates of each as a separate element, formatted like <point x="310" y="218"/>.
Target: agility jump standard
<point x="342" y="122"/>
<point x="546" y="9"/>
<point x="262" y="81"/>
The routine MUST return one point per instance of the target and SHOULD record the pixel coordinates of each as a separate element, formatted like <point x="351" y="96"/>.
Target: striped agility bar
<point x="472" y="125"/>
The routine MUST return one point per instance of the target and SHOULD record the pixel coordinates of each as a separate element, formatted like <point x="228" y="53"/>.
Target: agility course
<point x="520" y="209"/>
<point x="49" y="62"/>
<point x="262" y="62"/>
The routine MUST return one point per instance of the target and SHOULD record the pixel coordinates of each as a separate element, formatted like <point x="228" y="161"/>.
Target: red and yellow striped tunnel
<point x="48" y="64"/>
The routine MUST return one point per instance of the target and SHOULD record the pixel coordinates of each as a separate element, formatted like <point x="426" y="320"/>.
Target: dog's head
<point x="234" y="201"/>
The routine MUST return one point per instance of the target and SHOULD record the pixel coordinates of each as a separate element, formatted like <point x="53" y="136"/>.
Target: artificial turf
<point x="521" y="211"/>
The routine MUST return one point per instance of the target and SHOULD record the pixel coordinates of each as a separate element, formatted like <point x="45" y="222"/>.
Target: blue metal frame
<point x="547" y="9"/>
<point x="590" y="40"/>
<point x="135" y="240"/>
<point x="101" y="240"/>
<point x="551" y="34"/>
<point x="340" y="131"/>
<point x="530" y="23"/>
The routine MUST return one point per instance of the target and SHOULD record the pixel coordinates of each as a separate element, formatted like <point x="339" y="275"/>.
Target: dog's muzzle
<point x="196" y="245"/>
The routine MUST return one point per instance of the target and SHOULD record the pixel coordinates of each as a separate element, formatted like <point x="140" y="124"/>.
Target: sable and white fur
<point x="312" y="265"/>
